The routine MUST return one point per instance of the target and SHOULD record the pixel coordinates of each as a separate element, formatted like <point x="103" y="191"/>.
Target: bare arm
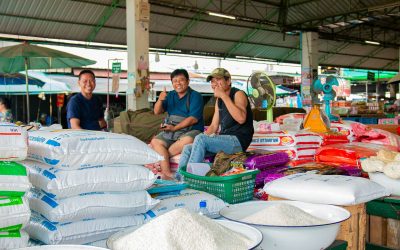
<point x="102" y="123"/>
<point x="236" y="108"/>
<point x="213" y="128"/>
<point x="75" y="123"/>
<point x="158" y="109"/>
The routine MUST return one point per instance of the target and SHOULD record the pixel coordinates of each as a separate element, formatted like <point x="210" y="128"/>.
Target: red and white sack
<point x="344" y="128"/>
<point x="13" y="142"/>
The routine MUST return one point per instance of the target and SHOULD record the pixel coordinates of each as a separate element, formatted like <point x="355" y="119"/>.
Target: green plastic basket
<point x="232" y="189"/>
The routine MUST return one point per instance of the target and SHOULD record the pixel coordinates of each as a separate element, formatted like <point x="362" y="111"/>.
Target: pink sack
<point x="367" y="134"/>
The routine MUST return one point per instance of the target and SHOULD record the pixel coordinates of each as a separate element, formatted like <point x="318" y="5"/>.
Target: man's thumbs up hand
<point x="163" y="94"/>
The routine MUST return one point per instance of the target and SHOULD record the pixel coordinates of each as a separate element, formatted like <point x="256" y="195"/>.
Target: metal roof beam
<point x="365" y="58"/>
<point x="290" y="53"/>
<point x="200" y="10"/>
<point x="333" y="52"/>
<point x="364" y="12"/>
<point x="102" y="20"/>
<point x="187" y="27"/>
<point x="390" y="64"/>
<point x="247" y="36"/>
<point x="58" y="21"/>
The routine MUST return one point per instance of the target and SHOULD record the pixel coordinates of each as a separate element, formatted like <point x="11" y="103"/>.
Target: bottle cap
<point x="203" y="204"/>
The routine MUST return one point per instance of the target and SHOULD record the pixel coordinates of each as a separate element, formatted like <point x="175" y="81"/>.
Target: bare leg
<point x="160" y="147"/>
<point x="177" y="147"/>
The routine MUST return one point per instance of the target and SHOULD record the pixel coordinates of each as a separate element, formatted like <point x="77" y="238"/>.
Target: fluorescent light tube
<point x="221" y="15"/>
<point x="372" y="42"/>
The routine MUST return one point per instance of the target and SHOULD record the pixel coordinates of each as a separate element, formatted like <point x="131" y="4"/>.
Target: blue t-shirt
<point x="178" y="106"/>
<point x="89" y="112"/>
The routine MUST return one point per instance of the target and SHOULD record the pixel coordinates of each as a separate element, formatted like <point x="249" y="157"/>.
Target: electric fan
<point x="329" y="93"/>
<point x="261" y="91"/>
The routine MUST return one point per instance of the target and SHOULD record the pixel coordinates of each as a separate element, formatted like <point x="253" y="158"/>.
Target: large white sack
<point x="100" y="243"/>
<point x="326" y="189"/>
<point x="71" y="149"/>
<point x="189" y="199"/>
<point x="79" y="232"/>
<point x="14" y="179"/>
<point x="14" y="211"/>
<point x="59" y="183"/>
<point x="91" y="205"/>
<point x="13" y="142"/>
<point x="13" y="239"/>
<point x="393" y="185"/>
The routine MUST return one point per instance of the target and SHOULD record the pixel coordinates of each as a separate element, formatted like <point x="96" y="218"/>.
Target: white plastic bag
<point x="14" y="142"/>
<point x="13" y="239"/>
<point x="80" y="232"/>
<point x="72" y="149"/>
<point x="392" y="185"/>
<point x="13" y="179"/>
<point x="189" y="199"/>
<point x="14" y="211"/>
<point x="58" y="183"/>
<point x="326" y="189"/>
<point x="91" y="205"/>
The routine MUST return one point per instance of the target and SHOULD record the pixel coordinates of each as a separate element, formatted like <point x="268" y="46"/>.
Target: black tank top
<point x="244" y="132"/>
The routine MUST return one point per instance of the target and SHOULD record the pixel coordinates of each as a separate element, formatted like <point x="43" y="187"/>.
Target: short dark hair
<point x="180" y="72"/>
<point x="5" y="101"/>
<point x="86" y="71"/>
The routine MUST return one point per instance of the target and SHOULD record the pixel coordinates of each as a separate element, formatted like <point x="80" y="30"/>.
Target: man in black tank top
<point x="231" y="129"/>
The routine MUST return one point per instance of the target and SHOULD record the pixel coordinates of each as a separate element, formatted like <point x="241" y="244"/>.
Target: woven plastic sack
<point x="14" y="211"/>
<point x="59" y="183"/>
<point x="80" y="232"/>
<point x="91" y="205"/>
<point x="72" y="149"/>
<point x="13" y="238"/>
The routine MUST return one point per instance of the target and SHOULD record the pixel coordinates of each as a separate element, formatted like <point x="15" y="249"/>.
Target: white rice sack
<point x="99" y="243"/>
<point x="91" y="205"/>
<point x="13" y="142"/>
<point x="59" y="183"/>
<point x="14" y="211"/>
<point x="72" y="149"/>
<point x="189" y="199"/>
<point x="14" y="179"/>
<point x="13" y="239"/>
<point x="79" y="232"/>
<point x="326" y="189"/>
<point x="390" y="184"/>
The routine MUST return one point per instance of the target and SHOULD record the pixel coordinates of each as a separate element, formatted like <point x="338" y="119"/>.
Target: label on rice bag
<point x="14" y="142"/>
<point x="285" y="138"/>
<point x="14" y="211"/>
<point x="13" y="179"/>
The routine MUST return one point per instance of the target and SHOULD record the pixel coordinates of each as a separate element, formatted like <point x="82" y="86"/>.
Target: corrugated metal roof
<point x="257" y="32"/>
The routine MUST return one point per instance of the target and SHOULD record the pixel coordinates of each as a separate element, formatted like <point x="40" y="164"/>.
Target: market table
<point x="338" y="245"/>
<point x="384" y="223"/>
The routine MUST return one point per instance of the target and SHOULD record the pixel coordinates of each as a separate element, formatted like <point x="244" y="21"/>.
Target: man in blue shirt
<point x="85" y="111"/>
<point x="185" y="119"/>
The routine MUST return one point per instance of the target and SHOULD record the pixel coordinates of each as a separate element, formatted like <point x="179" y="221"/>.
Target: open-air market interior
<point x="200" y="124"/>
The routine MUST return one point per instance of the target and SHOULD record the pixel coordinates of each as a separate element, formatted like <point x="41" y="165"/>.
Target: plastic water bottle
<point x="204" y="211"/>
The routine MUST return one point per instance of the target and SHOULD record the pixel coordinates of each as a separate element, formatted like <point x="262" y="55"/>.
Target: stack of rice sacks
<point x="299" y="145"/>
<point x="14" y="183"/>
<point x="87" y="185"/>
